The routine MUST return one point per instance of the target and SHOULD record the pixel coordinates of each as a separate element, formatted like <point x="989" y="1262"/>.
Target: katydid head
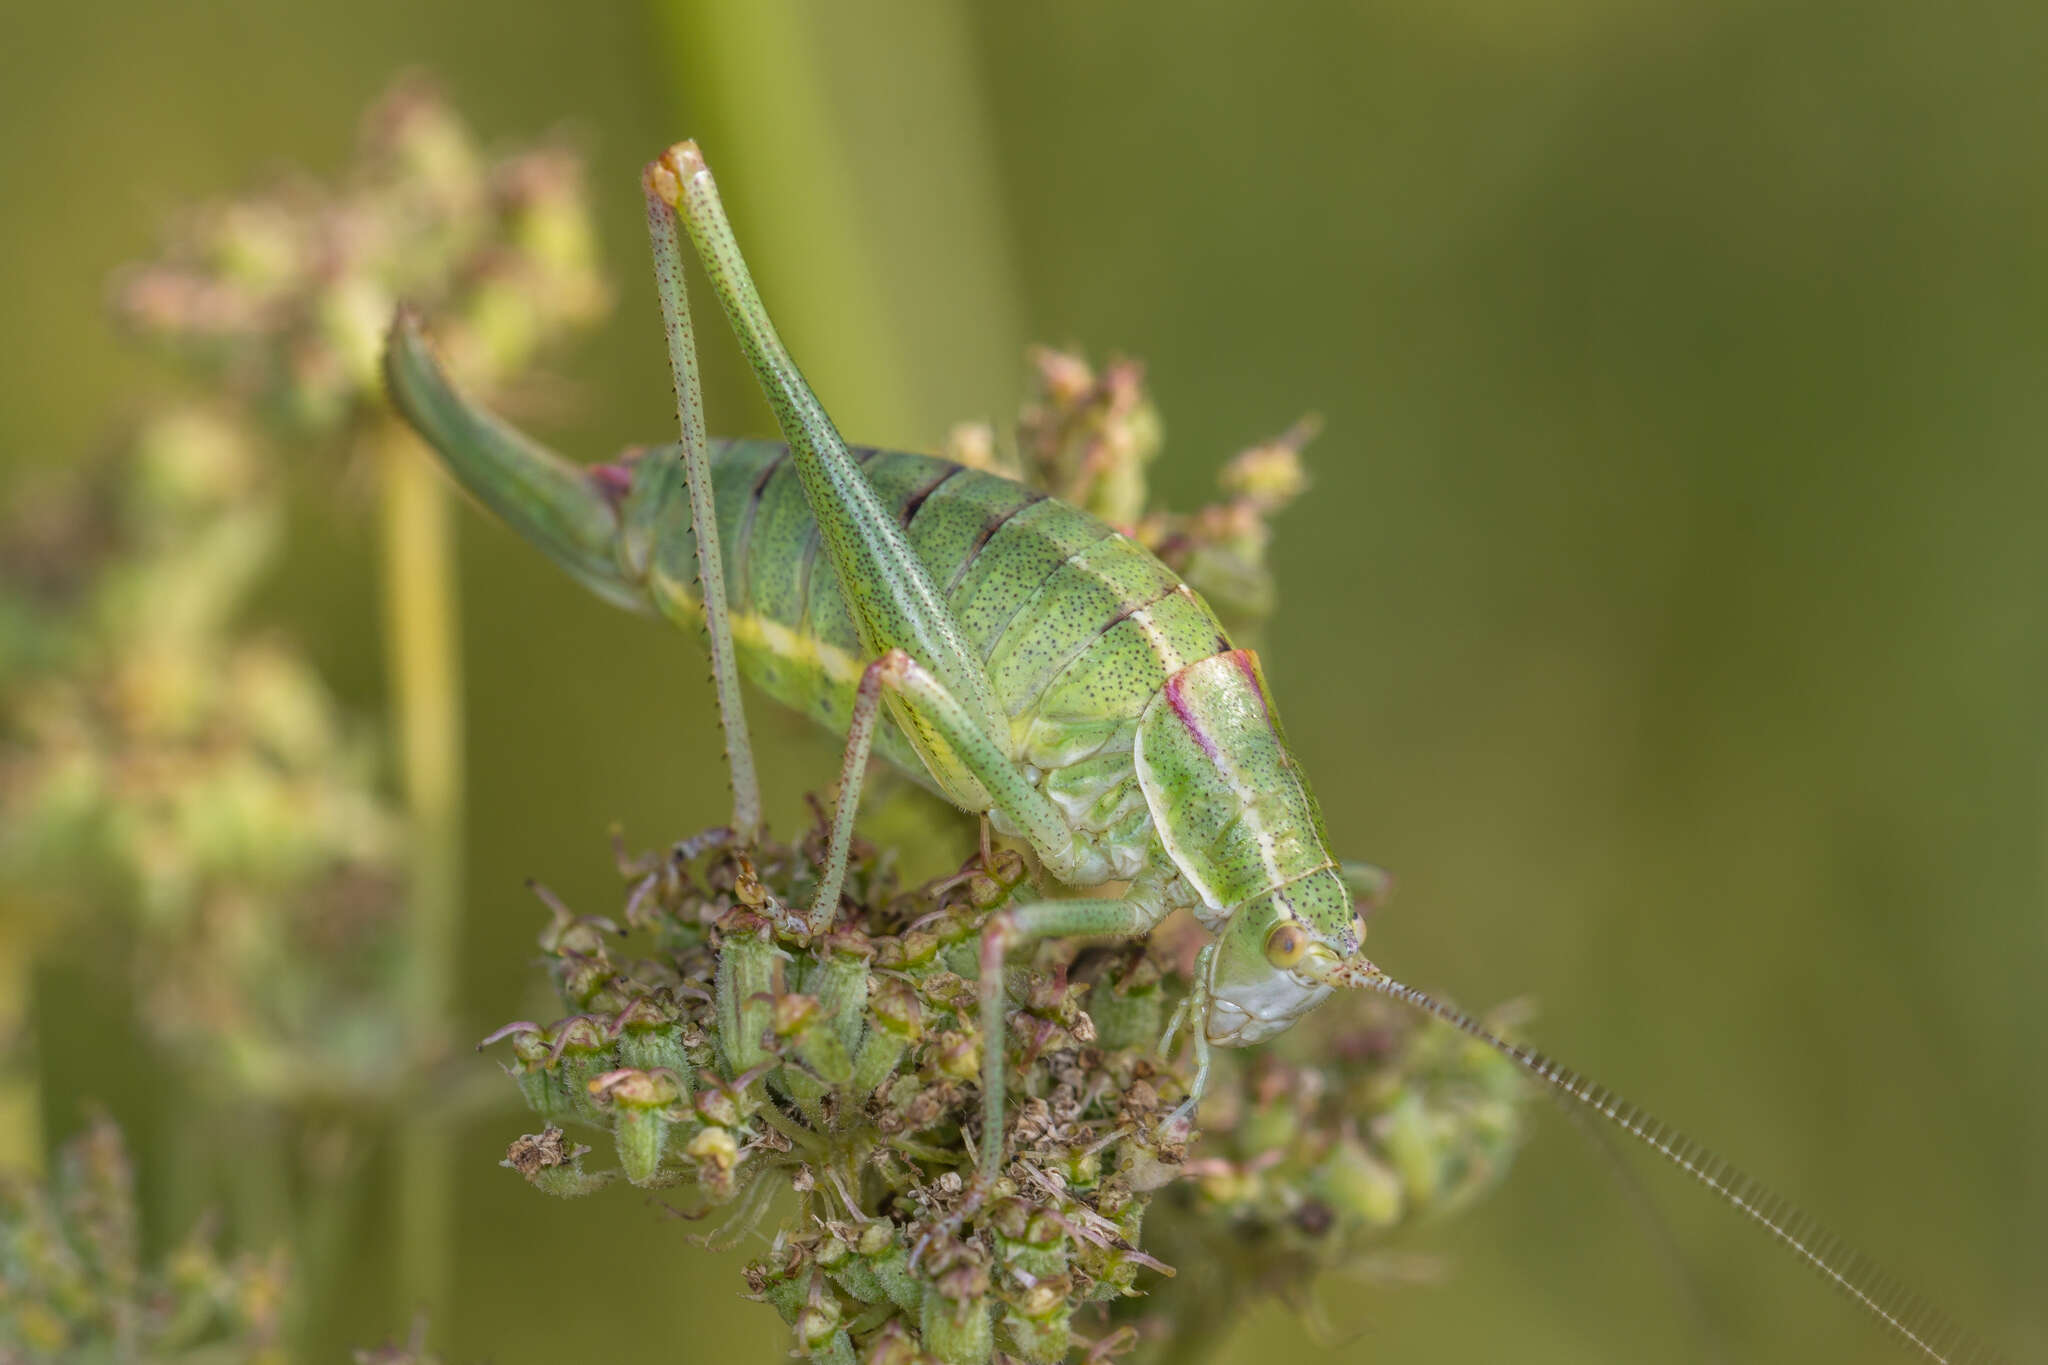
<point x="1233" y="814"/>
<point x="1275" y="956"/>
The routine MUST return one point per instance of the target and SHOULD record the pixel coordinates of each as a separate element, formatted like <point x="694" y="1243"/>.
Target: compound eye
<point x="1287" y="944"/>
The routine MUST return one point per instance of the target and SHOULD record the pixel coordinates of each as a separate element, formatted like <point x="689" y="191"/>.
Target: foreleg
<point x="925" y="699"/>
<point x="1129" y="917"/>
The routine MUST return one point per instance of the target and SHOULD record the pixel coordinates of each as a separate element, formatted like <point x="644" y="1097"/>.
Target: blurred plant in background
<point x="73" y="1285"/>
<point x="737" y="1059"/>
<point x="201" y="782"/>
<point x="185" y="796"/>
<point x="282" y="296"/>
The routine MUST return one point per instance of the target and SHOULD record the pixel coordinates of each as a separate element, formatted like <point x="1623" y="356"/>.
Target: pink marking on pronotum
<point x="1180" y="708"/>
<point x="614" y="481"/>
<point x="1247" y="664"/>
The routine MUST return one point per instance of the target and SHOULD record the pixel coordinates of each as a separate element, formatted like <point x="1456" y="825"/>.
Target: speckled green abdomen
<point x="1078" y="626"/>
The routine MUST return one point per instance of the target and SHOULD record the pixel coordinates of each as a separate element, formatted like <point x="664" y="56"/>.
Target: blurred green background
<point x="1669" y="613"/>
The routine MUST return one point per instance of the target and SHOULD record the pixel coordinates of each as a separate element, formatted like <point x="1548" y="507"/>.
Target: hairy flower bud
<point x="1358" y="1185"/>
<point x="553" y="1165"/>
<point x="745" y="980"/>
<point x="1035" y="1320"/>
<point x="651" y="1039"/>
<point x="955" y="1318"/>
<point x="956" y="1054"/>
<point x="642" y="1104"/>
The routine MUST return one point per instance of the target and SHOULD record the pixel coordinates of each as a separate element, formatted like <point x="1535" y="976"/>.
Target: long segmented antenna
<point x="1902" y="1313"/>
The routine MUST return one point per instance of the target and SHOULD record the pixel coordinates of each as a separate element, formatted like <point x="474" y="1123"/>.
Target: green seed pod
<point x="716" y="1153"/>
<point x="786" y="1290"/>
<point x="570" y="1182"/>
<point x="955" y="1319"/>
<point x="1035" y="1322"/>
<point x="837" y="1350"/>
<point x="842" y="983"/>
<point x="802" y="1020"/>
<point x="891" y="1266"/>
<point x="585" y="1055"/>
<point x="716" y="1107"/>
<point x="961" y="958"/>
<point x="993" y="885"/>
<point x="907" y="952"/>
<point x="817" y="1322"/>
<point x="897" y="1021"/>
<point x="641" y="1135"/>
<point x="956" y="1055"/>
<point x="832" y="1252"/>
<point x="1027" y="1239"/>
<point x="1113" y="1269"/>
<point x="1411" y="1142"/>
<point x="642" y="1104"/>
<point x="894" y="1345"/>
<point x="583" y="980"/>
<point x="1359" y="1186"/>
<point x="538" y="1085"/>
<point x="1083" y="1170"/>
<point x="657" y="1049"/>
<point x="746" y="972"/>
<point x="856" y="1275"/>
<point x="651" y="1039"/>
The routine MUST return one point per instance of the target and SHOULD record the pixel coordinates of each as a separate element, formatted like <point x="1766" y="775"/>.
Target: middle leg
<point x="1129" y="917"/>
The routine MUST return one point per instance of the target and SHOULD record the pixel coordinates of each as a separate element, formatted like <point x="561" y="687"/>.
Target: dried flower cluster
<point x="73" y="1287"/>
<point x="739" y="1057"/>
<point x="1088" y="437"/>
<point x="285" y="294"/>
<point x="732" y="1058"/>
<point x="1308" y="1164"/>
<point x="155" y="758"/>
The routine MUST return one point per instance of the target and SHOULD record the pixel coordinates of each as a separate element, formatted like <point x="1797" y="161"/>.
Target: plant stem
<point x="425" y="690"/>
<point x="21" y="1110"/>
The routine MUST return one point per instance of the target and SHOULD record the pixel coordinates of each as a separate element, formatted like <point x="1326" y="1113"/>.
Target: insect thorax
<point x="1224" y="793"/>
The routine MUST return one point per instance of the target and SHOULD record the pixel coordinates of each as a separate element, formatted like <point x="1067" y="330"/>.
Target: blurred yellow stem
<point x="425" y="691"/>
<point x="21" y="1112"/>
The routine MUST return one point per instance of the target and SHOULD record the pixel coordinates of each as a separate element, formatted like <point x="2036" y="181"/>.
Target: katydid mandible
<point x="1034" y="665"/>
